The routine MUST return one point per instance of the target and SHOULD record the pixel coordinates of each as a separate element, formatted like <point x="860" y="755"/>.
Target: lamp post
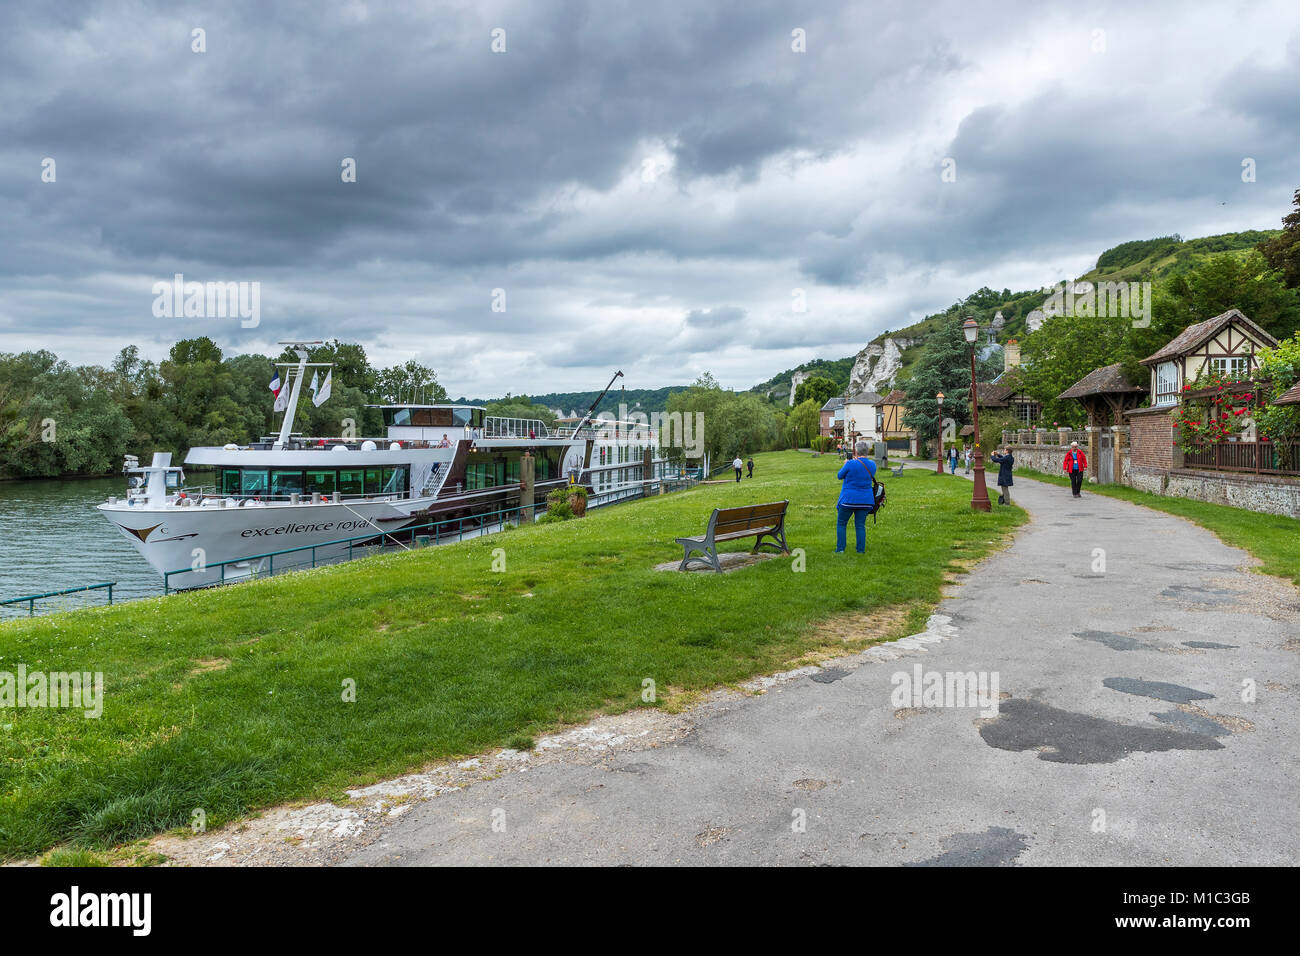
<point x="980" y="495"/>
<point x="938" y="469"/>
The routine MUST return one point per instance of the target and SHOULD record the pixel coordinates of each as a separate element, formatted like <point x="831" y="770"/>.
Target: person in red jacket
<point x="1075" y="464"/>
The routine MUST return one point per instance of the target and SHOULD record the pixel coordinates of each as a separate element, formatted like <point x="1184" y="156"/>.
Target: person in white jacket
<point x="739" y="466"/>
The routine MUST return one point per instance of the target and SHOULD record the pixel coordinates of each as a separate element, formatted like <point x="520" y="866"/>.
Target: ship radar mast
<point x="296" y="372"/>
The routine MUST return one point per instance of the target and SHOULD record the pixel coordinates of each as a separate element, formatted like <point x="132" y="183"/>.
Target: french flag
<point x="275" y="385"/>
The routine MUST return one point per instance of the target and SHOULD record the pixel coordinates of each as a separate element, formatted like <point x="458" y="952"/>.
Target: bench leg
<point x="778" y="541"/>
<point x="709" y="556"/>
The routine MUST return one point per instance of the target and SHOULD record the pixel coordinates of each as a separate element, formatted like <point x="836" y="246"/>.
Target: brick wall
<point x="1151" y="441"/>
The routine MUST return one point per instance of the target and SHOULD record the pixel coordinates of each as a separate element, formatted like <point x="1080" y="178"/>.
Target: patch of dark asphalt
<point x="1061" y="736"/>
<point x="1210" y="645"/>
<point x="1198" y="595"/>
<point x="1200" y="567"/>
<point x="1174" y="693"/>
<point x="996" y="846"/>
<point x="829" y="675"/>
<point x="637" y="768"/>
<point x="1116" y="642"/>
<point x="1192" y="723"/>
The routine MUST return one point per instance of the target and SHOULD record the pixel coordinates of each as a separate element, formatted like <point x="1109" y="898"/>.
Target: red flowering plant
<point x="1214" y="412"/>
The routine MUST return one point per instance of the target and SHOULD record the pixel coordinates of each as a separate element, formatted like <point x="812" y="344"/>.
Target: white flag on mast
<point x="282" y="398"/>
<point x="315" y="385"/>
<point x="323" y="395"/>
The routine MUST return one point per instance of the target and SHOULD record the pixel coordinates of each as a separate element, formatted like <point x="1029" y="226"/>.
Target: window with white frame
<point x="1027" y="412"/>
<point x="1167" y="383"/>
<point x="1231" y="366"/>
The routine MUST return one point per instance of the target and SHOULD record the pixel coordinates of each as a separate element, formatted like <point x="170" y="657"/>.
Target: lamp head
<point x="971" y="329"/>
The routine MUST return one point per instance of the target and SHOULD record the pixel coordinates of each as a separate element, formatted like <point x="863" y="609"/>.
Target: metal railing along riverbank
<point x="31" y="599"/>
<point x="433" y="533"/>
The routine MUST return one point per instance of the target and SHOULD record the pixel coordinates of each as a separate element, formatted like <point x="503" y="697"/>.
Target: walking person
<point x="750" y="465"/>
<point x="952" y="459"/>
<point x="857" y="498"/>
<point x="739" y="466"/>
<point x="1005" y="462"/>
<point x="1075" y="464"/>
<point x="968" y="458"/>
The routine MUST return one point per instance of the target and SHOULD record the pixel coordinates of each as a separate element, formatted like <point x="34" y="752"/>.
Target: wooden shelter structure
<point x="1105" y="394"/>
<point x="1290" y="397"/>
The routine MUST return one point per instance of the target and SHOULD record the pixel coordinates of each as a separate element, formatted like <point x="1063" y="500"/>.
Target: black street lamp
<point x="938" y="470"/>
<point x="980" y="495"/>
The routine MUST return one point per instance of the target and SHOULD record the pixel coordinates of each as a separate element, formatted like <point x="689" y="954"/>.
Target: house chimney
<point x="1010" y="355"/>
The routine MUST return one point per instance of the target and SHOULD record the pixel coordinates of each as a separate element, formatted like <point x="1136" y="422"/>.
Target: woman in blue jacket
<point x="856" y="498"/>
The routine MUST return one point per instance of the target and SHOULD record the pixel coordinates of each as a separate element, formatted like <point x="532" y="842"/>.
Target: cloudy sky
<point x="665" y="187"/>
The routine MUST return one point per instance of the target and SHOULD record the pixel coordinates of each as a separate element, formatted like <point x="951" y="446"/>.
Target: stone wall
<point x="1264" y="493"/>
<point x="1044" y="458"/>
<point x="1268" y="494"/>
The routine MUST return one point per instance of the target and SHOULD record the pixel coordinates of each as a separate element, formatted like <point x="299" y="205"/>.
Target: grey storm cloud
<point x="619" y="171"/>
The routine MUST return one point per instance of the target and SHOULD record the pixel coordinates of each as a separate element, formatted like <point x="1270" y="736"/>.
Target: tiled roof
<point x="896" y="397"/>
<point x="866" y="398"/>
<point x="994" y="396"/>
<point x="1194" y="335"/>
<point x="833" y="403"/>
<point x="1290" y="397"/>
<point x="1107" y="379"/>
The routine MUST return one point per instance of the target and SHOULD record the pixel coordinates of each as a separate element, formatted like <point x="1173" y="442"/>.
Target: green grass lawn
<point x="1273" y="539"/>
<point x="231" y="700"/>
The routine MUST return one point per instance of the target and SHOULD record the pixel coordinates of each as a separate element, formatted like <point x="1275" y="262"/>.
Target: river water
<point x="52" y="538"/>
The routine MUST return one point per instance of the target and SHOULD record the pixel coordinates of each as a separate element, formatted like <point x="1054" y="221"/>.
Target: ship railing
<point x="494" y="427"/>
<point x="31" y="599"/>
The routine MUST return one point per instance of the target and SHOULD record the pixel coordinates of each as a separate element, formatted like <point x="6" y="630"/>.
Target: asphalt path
<point x="1140" y="707"/>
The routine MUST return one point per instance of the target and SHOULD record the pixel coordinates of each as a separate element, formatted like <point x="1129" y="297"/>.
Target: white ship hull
<point x="203" y="538"/>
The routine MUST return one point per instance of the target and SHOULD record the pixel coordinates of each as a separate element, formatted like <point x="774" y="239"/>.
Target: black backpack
<point x="878" y="493"/>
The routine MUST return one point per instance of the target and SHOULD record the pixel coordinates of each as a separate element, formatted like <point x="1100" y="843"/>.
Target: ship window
<point x="397" y="416"/>
<point x="350" y="481"/>
<point x="476" y="418"/>
<point x="230" y="481"/>
<point x="285" y="483"/>
<point x="373" y="478"/>
<point x="460" y="416"/>
<point x="395" y="481"/>
<point x="321" y="481"/>
<point x="512" y="471"/>
<point x="253" y="481"/>
<point x="424" y="417"/>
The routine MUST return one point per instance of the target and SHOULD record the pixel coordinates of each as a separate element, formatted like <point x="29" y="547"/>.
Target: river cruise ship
<point x="443" y="471"/>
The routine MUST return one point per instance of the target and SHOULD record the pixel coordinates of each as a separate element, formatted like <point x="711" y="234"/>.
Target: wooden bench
<point x="729" y="524"/>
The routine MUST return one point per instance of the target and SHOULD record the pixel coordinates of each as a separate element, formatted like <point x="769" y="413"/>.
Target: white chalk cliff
<point x="876" y="366"/>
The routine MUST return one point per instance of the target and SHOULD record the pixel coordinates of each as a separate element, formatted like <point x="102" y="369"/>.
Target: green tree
<point x="409" y="381"/>
<point x="521" y="406"/>
<point x="819" y="389"/>
<point x="1064" y="350"/>
<point x="943" y="367"/>
<point x="1281" y="368"/>
<point x="1212" y="287"/>
<point x="1283" y="252"/>
<point x="803" y="423"/>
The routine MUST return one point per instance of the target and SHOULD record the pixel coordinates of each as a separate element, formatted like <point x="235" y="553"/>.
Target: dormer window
<point x="1232" y="367"/>
<point x="1167" y="383"/>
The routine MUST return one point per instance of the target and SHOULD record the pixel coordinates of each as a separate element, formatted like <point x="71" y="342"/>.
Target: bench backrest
<point x="748" y="517"/>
